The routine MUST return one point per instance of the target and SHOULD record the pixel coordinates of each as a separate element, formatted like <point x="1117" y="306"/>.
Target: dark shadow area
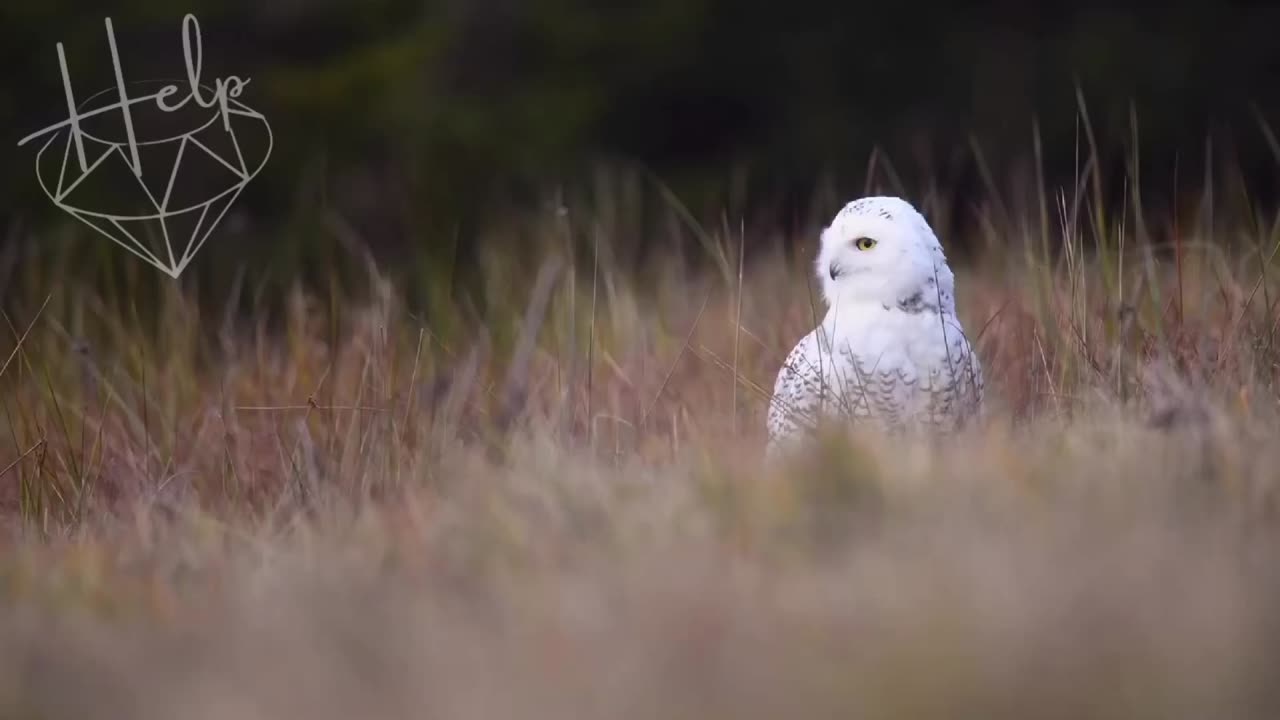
<point x="418" y="124"/>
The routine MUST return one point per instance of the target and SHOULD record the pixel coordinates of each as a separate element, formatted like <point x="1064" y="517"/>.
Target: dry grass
<point x="349" y="510"/>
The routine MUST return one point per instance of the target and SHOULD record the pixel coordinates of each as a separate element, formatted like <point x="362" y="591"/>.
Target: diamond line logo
<point x="153" y="172"/>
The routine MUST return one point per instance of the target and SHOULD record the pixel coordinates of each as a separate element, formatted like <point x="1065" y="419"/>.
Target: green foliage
<point x="416" y="123"/>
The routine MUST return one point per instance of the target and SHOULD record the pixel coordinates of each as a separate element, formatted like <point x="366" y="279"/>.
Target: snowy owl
<point x="890" y="350"/>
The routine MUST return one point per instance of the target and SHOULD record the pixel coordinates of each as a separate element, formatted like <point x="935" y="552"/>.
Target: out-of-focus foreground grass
<point x="558" y="507"/>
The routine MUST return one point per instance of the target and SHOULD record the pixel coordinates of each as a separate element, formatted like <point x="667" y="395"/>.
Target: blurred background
<point x="415" y="127"/>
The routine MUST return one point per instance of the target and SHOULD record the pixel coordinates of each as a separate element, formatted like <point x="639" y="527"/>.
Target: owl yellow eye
<point x="864" y="243"/>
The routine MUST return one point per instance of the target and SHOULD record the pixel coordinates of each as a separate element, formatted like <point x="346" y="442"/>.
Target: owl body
<point x="890" y="350"/>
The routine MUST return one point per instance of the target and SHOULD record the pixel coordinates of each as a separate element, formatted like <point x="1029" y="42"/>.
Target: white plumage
<point x="890" y="349"/>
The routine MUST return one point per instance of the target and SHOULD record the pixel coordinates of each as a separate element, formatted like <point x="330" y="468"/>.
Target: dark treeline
<point x="419" y="119"/>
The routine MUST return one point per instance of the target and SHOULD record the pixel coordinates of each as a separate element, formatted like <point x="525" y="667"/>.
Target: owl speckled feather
<point x="890" y="349"/>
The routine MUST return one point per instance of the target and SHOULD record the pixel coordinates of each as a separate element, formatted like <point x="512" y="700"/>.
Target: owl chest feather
<point x="898" y="367"/>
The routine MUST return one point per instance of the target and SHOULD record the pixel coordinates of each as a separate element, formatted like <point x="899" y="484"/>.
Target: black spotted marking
<point x="916" y="303"/>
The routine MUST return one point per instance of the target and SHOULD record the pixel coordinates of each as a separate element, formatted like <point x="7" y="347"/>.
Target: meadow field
<point x="330" y="504"/>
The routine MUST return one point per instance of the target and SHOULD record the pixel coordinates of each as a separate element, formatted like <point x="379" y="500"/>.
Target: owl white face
<point x="880" y="250"/>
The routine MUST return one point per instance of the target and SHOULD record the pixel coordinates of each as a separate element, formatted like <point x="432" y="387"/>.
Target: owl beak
<point x="835" y="270"/>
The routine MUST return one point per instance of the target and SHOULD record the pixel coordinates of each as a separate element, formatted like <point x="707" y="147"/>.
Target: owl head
<point x="880" y="250"/>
